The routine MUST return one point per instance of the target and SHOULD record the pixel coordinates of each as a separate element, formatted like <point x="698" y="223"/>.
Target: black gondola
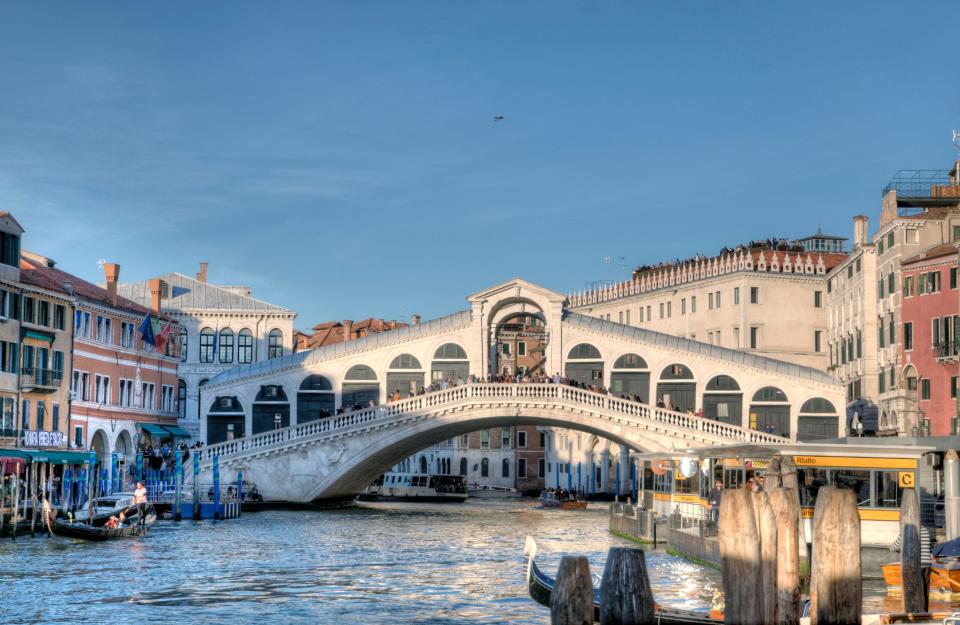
<point x="83" y="531"/>
<point x="540" y="586"/>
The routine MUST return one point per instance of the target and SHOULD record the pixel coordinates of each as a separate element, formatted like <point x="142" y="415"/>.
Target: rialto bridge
<point x="272" y="420"/>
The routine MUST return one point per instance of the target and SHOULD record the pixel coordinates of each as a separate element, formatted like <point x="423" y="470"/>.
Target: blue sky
<point x="341" y="158"/>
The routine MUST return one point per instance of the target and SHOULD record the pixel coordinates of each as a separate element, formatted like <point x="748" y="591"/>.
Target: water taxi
<point x="551" y="498"/>
<point x="417" y="488"/>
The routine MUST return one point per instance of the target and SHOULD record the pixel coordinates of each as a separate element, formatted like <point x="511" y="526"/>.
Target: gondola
<point x="540" y="586"/>
<point x="83" y="531"/>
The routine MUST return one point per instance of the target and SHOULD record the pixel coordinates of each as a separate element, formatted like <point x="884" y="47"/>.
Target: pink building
<point x="931" y="338"/>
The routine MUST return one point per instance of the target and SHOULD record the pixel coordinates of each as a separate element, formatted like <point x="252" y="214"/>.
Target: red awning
<point x="11" y="464"/>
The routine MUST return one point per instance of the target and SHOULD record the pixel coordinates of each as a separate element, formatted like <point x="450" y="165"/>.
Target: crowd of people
<point x="772" y="243"/>
<point x="163" y="456"/>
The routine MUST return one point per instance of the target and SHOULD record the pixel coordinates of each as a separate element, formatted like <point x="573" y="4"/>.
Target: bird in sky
<point x="497" y="118"/>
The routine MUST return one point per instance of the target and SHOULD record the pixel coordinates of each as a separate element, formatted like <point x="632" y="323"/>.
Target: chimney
<point x="347" y="330"/>
<point x="155" y="286"/>
<point x="861" y="227"/>
<point x="202" y="274"/>
<point x="111" y="272"/>
<point x="415" y="320"/>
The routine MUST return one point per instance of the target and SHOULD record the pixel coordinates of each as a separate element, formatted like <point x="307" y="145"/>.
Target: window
<point x="522" y="346"/>
<point x="890" y="239"/>
<point x="8" y="357"/>
<point x="736" y="337"/>
<point x="505" y="349"/>
<point x="754" y="295"/>
<point x="541" y="468"/>
<point x="59" y="321"/>
<point x="57" y="364"/>
<point x="206" y="345"/>
<point x="127" y="334"/>
<point x="126" y="393"/>
<point x="925" y="389"/>
<point x="484" y="438"/>
<point x="55" y="426"/>
<point x="661" y="310"/>
<point x="818" y="299"/>
<point x="182" y="399"/>
<point x="754" y="337"/>
<point x="882" y="381"/>
<point x="953" y="277"/>
<point x="911" y="383"/>
<point x="43" y="313"/>
<point x="25" y="415"/>
<point x="505" y="469"/>
<point x="641" y="314"/>
<point x="463" y="466"/>
<point x="226" y="345"/>
<point x="710" y="300"/>
<point x="693" y="304"/>
<point x="184" y="344"/>
<point x="736" y="295"/>
<point x="147" y="398"/>
<point x="628" y="316"/>
<point x="880" y="288"/>
<point x="29" y="307"/>
<point x="620" y="318"/>
<point x="649" y="313"/>
<point x="953" y="387"/>
<point x="908" y="286"/>
<point x="859" y="343"/>
<point x="78" y="436"/>
<point x="166" y="401"/>
<point x="245" y="347"/>
<point x="41" y="415"/>
<point x="669" y="309"/>
<point x="933" y="282"/>
<point x="858" y="265"/>
<point x="101" y="385"/>
<point x="104" y="329"/>
<point x="521" y="440"/>
<point x="485" y="467"/>
<point x="880" y="247"/>
<point x="717" y="298"/>
<point x="10" y="249"/>
<point x="275" y="343"/>
<point x="891" y="282"/>
<point x="543" y="440"/>
<point x="505" y="438"/>
<point x="683" y="306"/>
<point x="521" y="467"/>
<point x="817" y="336"/>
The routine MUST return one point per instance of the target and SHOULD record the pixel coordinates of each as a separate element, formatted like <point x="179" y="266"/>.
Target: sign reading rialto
<point x="35" y="438"/>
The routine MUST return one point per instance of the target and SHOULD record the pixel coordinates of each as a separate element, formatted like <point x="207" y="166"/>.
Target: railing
<point x="33" y="376"/>
<point x="923" y="183"/>
<point x="947" y="349"/>
<point x="622" y="410"/>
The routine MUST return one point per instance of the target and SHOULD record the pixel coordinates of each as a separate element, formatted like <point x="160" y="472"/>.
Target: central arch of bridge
<point x="335" y="458"/>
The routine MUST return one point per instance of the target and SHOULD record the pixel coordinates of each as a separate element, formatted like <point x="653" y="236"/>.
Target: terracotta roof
<point x="35" y="273"/>
<point x="332" y="332"/>
<point x="937" y="251"/>
<point x="935" y="213"/>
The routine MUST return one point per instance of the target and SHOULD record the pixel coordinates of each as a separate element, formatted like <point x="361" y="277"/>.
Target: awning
<point x="11" y="460"/>
<point x="177" y="431"/>
<point x="40" y="336"/>
<point x="154" y="430"/>
<point x="54" y="456"/>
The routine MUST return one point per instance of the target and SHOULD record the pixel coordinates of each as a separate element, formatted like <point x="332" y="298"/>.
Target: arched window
<point x="817" y="405"/>
<point x="584" y="351"/>
<point x="630" y="361"/>
<point x="463" y="466"/>
<point x="184" y="344"/>
<point x="182" y="398"/>
<point x="245" y="347"/>
<point x="485" y="468"/>
<point x="505" y="470"/>
<point x="676" y="389"/>
<point x="770" y="393"/>
<point x="271" y="409"/>
<point x="315" y="399"/>
<point x="225" y="349"/>
<point x="723" y="401"/>
<point x="450" y="351"/>
<point x="676" y="372"/>
<point x="405" y="376"/>
<point x="360" y="372"/>
<point x="275" y="343"/>
<point x="360" y="387"/>
<point x="818" y="420"/>
<point x="206" y="345"/>
<point x="423" y="465"/>
<point x="225" y="420"/>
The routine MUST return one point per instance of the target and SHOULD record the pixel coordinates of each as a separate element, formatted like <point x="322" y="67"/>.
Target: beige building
<point x="766" y="299"/>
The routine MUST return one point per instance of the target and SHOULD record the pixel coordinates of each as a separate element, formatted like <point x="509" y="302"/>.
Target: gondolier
<point x="140" y="500"/>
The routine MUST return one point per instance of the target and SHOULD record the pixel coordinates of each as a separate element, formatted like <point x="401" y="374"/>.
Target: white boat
<point x="417" y="488"/>
<point x="492" y="492"/>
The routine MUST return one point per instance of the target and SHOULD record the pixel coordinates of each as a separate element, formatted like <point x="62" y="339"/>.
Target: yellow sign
<point x="854" y="462"/>
<point x="906" y="479"/>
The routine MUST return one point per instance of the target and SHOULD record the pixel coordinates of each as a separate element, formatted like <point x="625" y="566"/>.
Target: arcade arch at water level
<point x="540" y="335"/>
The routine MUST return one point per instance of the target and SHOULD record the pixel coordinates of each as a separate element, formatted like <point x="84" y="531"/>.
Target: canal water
<point x="385" y="563"/>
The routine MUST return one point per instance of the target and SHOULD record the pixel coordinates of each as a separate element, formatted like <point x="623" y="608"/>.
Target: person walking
<point x="713" y="498"/>
<point x="140" y="500"/>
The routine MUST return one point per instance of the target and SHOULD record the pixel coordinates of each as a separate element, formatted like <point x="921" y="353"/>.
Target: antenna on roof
<point x="101" y="263"/>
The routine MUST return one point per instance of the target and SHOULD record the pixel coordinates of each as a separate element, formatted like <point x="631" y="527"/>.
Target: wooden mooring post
<point x="571" y="602"/>
<point x="786" y="507"/>
<point x="836" y="591"/>
<point x="740" y="559"/>
<point x="914" y="586"/>
<point x="767" y="531"/>
<point x="626" y="597"/>
<point x="16" y="501"/>
<point x="33" y="497"/>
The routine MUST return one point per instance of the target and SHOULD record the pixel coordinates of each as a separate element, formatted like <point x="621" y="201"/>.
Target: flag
<point x="146" y="330"/>
<point x="164" y="337"/>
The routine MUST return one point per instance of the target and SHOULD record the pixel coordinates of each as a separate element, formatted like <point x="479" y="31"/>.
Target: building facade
<point x="505" y="457"/>
<point x="221" y="327"/>
<point x="767" y="299"/>
<point x="10" y="339"/>
<point x="123" y="389"/>
<point x="929" y="347"/>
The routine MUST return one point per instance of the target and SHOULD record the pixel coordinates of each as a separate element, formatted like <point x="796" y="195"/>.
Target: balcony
<point x="947" y="350"/>
<point x="922" y="188"/>
<point x="40" y="380"/>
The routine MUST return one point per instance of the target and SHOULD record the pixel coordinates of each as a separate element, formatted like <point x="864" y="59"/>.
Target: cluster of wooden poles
<point x="38" y="479"/>
<point x="762" y="550"/>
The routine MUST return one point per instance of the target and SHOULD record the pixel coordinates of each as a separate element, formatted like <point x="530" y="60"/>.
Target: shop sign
<point x="36" y="438"/>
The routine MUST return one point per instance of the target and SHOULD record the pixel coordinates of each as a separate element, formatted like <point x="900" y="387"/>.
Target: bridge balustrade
<point x="614" y="406"/>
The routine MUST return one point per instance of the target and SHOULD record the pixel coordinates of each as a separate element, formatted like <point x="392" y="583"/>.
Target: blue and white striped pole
<point x="196" y="485"/>
<point x="216" y="486"/>
<point x="178" y="486"/>
<point x="569" y="478"/>
<point x="114" y="473"/>
<point x="579" y="479"/>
